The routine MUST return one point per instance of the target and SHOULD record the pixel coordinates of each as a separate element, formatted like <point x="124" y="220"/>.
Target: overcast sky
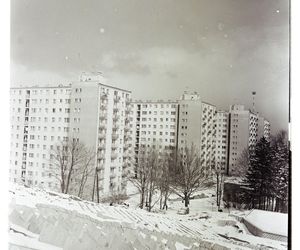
<point x="223" y="49"/>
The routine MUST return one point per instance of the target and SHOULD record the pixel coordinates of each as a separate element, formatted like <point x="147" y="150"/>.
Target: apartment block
<point x="154" y="124"/>
<point x="197" y="126"/>
<point x="175" y="125"/>
<point x="245" y="129"/>
<point x="40" y="117"/>
<point x="89" y="111"/>
<point x="100" y="119"/>
<point x="263" y="128"/>
<point x="222" y="129"/>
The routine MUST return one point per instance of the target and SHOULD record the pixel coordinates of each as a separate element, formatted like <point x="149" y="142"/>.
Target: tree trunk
<point x="150" y="199"/>
<point x="217" y="189"/>
<point x="142" y="199"/>
<point x="165" y="206"/>
<point x="160" y="199"/>
<point x="186" y="199"/>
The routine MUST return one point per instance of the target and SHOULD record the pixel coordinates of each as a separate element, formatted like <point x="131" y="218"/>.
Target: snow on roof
<point x="270" y="222"/>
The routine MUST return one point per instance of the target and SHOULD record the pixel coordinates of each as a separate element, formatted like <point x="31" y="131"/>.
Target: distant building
<point x="154" y="125"/>
<point x="168" y="125"/>
<point x="89" y="111"/>
<point x="263" y="128"/>
<point x="222" y="134"/>
<point x="245" y="129"/>
<point x="196" y="125"/>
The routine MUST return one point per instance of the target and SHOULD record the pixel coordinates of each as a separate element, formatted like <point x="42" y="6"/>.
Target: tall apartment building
<point x="222" y="121"/>
<point x="154" y="124"/>
<point x="263" y="128"/>
<point x="176" y="124"/>
<point x="89" y="111"/>
<point x="40" y="117"/>
<point x="196" y="125"/>
<point x="245" y="129"/>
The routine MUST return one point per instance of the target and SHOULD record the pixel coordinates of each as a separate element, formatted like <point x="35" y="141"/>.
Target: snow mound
<point x="269" y="222"/>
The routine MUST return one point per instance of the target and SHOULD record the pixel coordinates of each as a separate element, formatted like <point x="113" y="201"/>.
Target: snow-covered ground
<point x="47" y="220"/>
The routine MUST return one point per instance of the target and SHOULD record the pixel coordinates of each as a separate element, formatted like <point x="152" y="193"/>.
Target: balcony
<point x="102" y="136"/>
<point x="114" y="136"/>
<point x="102" y="118"/>
<point x="115" y="127"/>
<point x="116" y="118"/>
<point x="114" y="156"/>
<point x="101" y="156"/>
<point x="101" y="146"/>
<point x="102" y="127"/>
<point x="103" y="97"/>
<point x="126" y="156"/>
<point x="100" y="163"/>
<point x="114" y="146"/>
<point x="103" y="107"/>
<point x="115" y="109"/>
<point x="127" y="138"/>
<point x="117" y="98"/>
<point x="112" y="176"/>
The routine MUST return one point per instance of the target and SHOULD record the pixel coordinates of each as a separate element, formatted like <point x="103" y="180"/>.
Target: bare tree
<point x="219" y="174"/>
<point x="141" y="177"/>
<point x="71" y="163"/>
<point x="85" y="171"/>
<point x="188" y="175"/>
<point x="168" y="161"/>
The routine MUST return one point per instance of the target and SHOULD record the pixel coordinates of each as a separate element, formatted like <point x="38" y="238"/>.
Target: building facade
<point x="154" y="124"/>
<point x="222" y="134"/>
<point x="88" y="111"/>
<point x="197" y="126"/>
<point x="245" y="129"/>
<point x="169" y="125"/>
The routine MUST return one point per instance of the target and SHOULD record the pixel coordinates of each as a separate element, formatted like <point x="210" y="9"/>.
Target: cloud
<point x="128" y="63"/>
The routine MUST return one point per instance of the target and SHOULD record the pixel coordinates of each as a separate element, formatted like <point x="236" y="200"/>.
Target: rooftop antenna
<point x="253" y="101"/>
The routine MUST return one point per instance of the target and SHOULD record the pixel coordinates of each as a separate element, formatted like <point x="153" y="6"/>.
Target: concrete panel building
<point x="222" y="134"/>
<point x="89" y="111"/>
<point x="245" y="129"/>
<point x="154" y="124"/>
<point x="175" y="125"/>
<point x="40" y="117"/>
<point x="197" y="126"/>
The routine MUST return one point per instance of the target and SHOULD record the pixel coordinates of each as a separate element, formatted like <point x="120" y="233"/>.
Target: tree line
<point x="267" y="177"/>
<point x="158" y="174"/>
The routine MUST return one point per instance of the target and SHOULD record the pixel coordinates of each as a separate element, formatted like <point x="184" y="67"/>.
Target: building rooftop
<point x="42" y="86"/>
<point x="154" y="101"/>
